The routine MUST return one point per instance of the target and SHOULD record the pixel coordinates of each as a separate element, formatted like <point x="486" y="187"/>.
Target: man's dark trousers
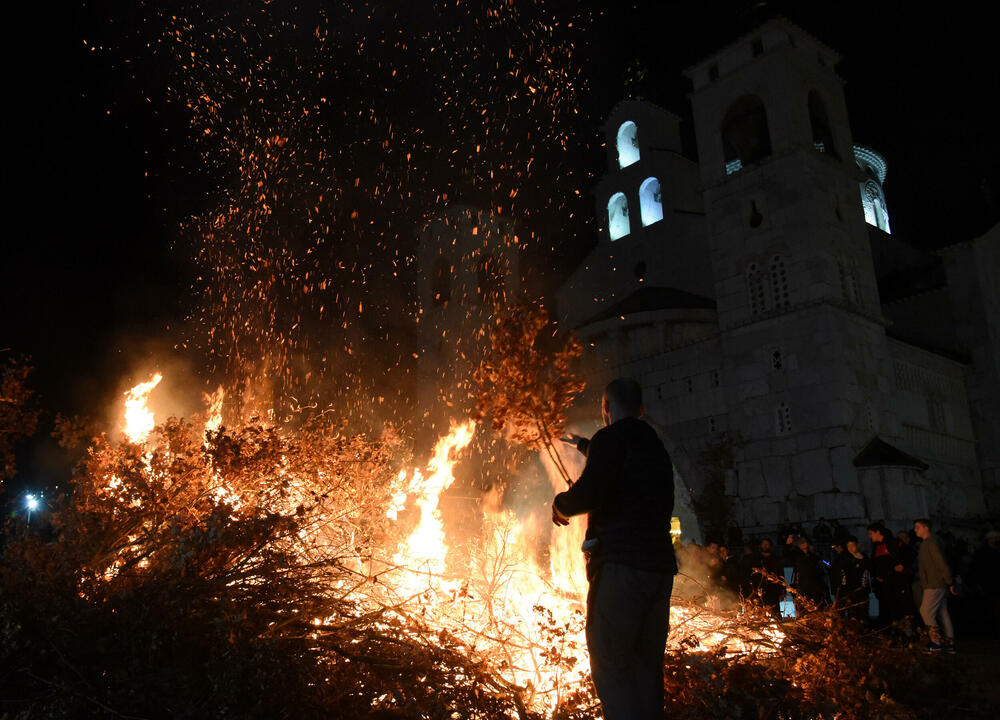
<point x="628" y="617"/>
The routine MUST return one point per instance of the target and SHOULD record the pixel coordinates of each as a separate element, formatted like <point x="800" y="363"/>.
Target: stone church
<point x="799" y="360"/>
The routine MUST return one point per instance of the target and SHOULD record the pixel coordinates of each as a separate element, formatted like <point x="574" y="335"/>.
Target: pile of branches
<point x="229" y="574"/>
<point x="822" y="666"/>
<point x="222" y="576"/>
<point x="526" y="383"/>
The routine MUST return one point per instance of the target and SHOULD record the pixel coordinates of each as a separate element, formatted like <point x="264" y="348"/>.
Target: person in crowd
<point x="984" y="580"/>
<point x="626" y="490"/>
<point x="889" y="580"/>
<point x="810" y="578"/>
<point x="823" y="540"/>
<point x="767" y="577"/>
<point x="907" y="542"/>
<point x="729" y="572"/>
<point x="851" y="580"/>
<point x="937" y="584"/>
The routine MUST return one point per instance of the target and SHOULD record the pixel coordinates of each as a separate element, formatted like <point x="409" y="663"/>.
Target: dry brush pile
<point x="231" y="573"/>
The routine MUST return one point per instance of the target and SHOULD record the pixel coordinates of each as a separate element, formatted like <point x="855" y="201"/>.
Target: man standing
<point x="627" y="491"/>
<point x="767" y="578"/>
<point x="888" y="575"/>
<point x="935" y="580"/>
<point x="810" y="578"/>
<point x="850" y="579"/>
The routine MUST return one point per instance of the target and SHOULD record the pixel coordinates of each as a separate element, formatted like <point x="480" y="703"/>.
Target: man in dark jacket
<point x="850" y="579"/>
<point x="767" y="577"/>
<point x="889" y="580"/>
<point x="810" y="578"/>
<point x="627" y="491"/>
<point x="936" y="583"/>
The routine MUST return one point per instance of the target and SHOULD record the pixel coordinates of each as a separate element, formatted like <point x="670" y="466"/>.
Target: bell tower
<point x="808" y="372"/>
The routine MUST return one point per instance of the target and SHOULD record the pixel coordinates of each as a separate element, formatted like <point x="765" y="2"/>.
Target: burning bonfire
<point x="201" y="570"/>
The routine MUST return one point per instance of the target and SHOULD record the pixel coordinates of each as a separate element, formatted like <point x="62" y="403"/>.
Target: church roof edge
<point x="779" y="20"/>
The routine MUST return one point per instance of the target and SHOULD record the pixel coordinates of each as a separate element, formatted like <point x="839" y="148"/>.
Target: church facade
<point x="799" y="359"/>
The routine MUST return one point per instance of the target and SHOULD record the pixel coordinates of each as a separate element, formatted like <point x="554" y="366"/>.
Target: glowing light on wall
<point x="628" y="144"/>
<point x="650" y="204"/>
<point x="872" y="195"/>
<point x="618" y="222"/>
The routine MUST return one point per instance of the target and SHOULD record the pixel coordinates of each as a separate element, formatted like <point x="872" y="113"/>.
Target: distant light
<point x="31" y="502"/>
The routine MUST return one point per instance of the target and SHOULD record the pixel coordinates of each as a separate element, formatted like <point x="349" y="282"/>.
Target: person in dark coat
<point x="729" y="573"/>
<point x="767" y="588"/>
<point x="810" y="578"/>
<point x="850" y="579"/>
<point x="627" y="491"/>
<point x="889" y="579"/>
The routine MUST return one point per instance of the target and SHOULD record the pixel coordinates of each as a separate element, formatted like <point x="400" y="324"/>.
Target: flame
<point x="139" y="421"/>
<point x="214" y="402"/>
<point x="425" y="547"/>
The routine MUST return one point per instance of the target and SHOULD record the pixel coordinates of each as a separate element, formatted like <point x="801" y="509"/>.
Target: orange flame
<point x="139" y="421"/>
<point x="214" y="402"/>
<point x="425" y="546"/>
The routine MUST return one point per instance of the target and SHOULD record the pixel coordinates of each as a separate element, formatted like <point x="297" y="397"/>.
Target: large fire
<point x="139" y="421"/>
<point x="512" y="593"/>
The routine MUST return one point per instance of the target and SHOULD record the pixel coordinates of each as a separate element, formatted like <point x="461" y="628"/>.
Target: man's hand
<point x="571" y="439"/>
<point x="899" y="568"/>
<point x="557" y="517"/>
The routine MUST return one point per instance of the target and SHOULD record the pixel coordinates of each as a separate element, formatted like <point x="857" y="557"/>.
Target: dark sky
<point x="91" y="270"/>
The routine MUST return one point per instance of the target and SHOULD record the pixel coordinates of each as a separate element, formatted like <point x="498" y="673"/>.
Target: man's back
<point x="627" y="489"/>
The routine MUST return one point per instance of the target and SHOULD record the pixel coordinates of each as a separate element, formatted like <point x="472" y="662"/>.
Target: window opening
<point x="779" y="282"/>
<point x="819" y="121"/>
<point x="755" y="290"/>
<point x="783" y="419"/>
<point x="628" y="144"/>
<point x="618" y="222"/>
<point x="745" y="133"/>
<point x="650" y="205"/>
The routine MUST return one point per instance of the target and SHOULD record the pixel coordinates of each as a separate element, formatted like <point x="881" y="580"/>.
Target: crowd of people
<point x="904" y="580"/>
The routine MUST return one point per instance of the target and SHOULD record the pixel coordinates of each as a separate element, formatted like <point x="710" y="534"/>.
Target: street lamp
<point x="31" y="503"/>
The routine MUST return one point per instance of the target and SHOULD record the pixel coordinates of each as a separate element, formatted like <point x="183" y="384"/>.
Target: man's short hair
<point x="853" y="539"/>
<point x="925" y="522"/>
<point x="878" y="527"/>
<point x="625" y="394"/>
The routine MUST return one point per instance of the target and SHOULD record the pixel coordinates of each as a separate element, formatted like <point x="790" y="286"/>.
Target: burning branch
<point x="524" y="386"/>
<point x="18" y="417"/>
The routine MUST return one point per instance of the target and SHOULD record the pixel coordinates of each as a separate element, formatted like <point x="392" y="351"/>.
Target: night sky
<point x="99" y="181"/>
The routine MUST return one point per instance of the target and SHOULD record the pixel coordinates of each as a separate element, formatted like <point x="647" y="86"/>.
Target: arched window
<point x="779" y="282"/>
<point x="441" y="282"/>
<point x="819" y="121"/>
<point x="745" y="135"/>
<point x="489" y="280"/>
<point x="755" y="289"/>
<point x="628" y="144"/>
<point x="874" y="205"/>
<point x="618" y="224"/>
<point x="650" y="205"/>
